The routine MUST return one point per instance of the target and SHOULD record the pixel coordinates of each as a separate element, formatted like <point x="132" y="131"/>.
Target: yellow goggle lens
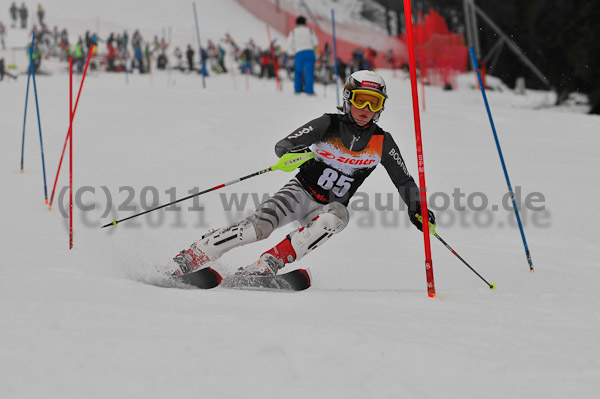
<point x="362" y="98"/>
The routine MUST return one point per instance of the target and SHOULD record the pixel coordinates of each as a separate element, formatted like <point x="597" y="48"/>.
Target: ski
<point x="296" y="280"/>
<point x="207" y="278"/>
<point x="204" y="278"/>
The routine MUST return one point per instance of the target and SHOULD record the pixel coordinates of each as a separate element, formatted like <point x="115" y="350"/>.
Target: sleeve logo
<point x="301" y="132"/>
<point x="398" y="158"/>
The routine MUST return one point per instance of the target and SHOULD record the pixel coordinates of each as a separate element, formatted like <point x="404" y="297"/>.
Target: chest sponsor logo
<point x="325" y="154"/>
<point x="345" y="159"/>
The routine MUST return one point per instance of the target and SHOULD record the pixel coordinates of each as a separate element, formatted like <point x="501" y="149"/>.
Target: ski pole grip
<point x="431" y="225"/>
<point x="291" y="161"/>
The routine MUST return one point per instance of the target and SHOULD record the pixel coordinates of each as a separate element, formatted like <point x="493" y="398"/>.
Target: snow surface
<point x="84" y="323"/>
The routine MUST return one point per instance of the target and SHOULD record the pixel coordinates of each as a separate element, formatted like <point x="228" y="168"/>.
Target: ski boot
<point x="271" y="261"/>
<point x="211" y="247"/>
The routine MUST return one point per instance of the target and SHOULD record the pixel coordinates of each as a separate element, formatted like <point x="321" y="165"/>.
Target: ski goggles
<point x="361" y="98"/>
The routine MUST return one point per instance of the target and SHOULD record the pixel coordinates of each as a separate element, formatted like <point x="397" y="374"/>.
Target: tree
<point x="559" y="36"/>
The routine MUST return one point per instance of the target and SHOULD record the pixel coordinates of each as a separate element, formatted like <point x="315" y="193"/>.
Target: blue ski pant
<point x="304" y="68"/>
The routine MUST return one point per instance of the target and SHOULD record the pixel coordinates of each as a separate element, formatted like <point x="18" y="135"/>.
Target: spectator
<point x="35" y="55"/>
<point x="124" y="41"/>
<point x="212" y="56"/>
<point x="112" y="53"/>
<point x="179" y="57"/>
<point x="138" y="61"/>
<point x="358" y="60"/>
<point x="2" y="33"/>
<point x="3" y="71"/>
<point x="40" y="13"/>
<point x="221" y="58"/>
<point x="288" y="64"/>
<point x="301" y="42"/>
<point x="203" y="57"/>
<point x="162" y="60"/>
<point x="247" y="61"/>
<point x="189" y="54"/>
<point x="370" y="58"/>
<point x="14" y="10"/>
<point x="342" y="69"/>
<point x="234" y="50"/>
<point x="266" y="65"/>
<point x="64" y="43"/>
<point x="78" y="55"/>
<point x="148" y="57"/>
<point x="94" y="42"/>
<point x="23" y="13"/>
<point x="55" y="36"/>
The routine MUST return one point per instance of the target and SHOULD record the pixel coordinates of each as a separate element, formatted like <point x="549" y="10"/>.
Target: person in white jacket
<point x="301" y="42"/>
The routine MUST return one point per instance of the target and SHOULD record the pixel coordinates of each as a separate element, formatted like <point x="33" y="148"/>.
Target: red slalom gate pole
<point x="69" y="132"/>
<point x="71" y="153"/>
<point x="422" y="56"/>
<point x="421" y="163"/>
<point x="275" y="66"/>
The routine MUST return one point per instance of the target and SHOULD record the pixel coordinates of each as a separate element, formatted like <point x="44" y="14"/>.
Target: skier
<point x="347" y="149"/>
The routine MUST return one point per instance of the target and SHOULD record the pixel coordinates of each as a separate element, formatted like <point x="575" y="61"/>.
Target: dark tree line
<point x="561" y="37"/>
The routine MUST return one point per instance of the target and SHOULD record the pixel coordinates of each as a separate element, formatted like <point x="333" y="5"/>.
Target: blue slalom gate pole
<point x="202" y="62"/>
<point x="512" y="195"/>
<point x="37" y="108"/>
<point x="335" y="63"/>
<point x="26" y="99"/>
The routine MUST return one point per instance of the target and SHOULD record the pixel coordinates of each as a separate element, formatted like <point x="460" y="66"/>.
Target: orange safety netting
<point x="444" y="53"/>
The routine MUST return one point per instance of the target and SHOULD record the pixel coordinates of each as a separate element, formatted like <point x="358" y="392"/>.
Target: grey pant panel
<point x="291" y="203"/>
<point x="336" y="208"/>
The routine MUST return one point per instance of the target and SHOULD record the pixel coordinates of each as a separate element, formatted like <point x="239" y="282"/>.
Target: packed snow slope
<point x="85" y="323"/>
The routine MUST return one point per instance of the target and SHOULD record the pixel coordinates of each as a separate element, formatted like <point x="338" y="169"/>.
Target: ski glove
<point x="412" y="214"/>
<point x="299" y="149"/>
<point x="302" y="149"/>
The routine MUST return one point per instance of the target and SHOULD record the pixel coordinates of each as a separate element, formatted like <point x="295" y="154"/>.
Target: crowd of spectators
<point x="122" y="52"/>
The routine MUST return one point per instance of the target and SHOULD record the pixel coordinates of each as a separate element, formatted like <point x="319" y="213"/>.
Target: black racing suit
<point x="345" y="155"/>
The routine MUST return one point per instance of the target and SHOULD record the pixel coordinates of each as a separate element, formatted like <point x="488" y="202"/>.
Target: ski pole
<point x="287" y="163"/>
<point x="492" y="286"/>
<point x="512" y="195"/>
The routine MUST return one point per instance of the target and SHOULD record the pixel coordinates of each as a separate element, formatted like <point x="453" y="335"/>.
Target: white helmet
<point x="366" y="80"/>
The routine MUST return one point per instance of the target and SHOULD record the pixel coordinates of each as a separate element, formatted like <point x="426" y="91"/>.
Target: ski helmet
<point x="364" y="80"/>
